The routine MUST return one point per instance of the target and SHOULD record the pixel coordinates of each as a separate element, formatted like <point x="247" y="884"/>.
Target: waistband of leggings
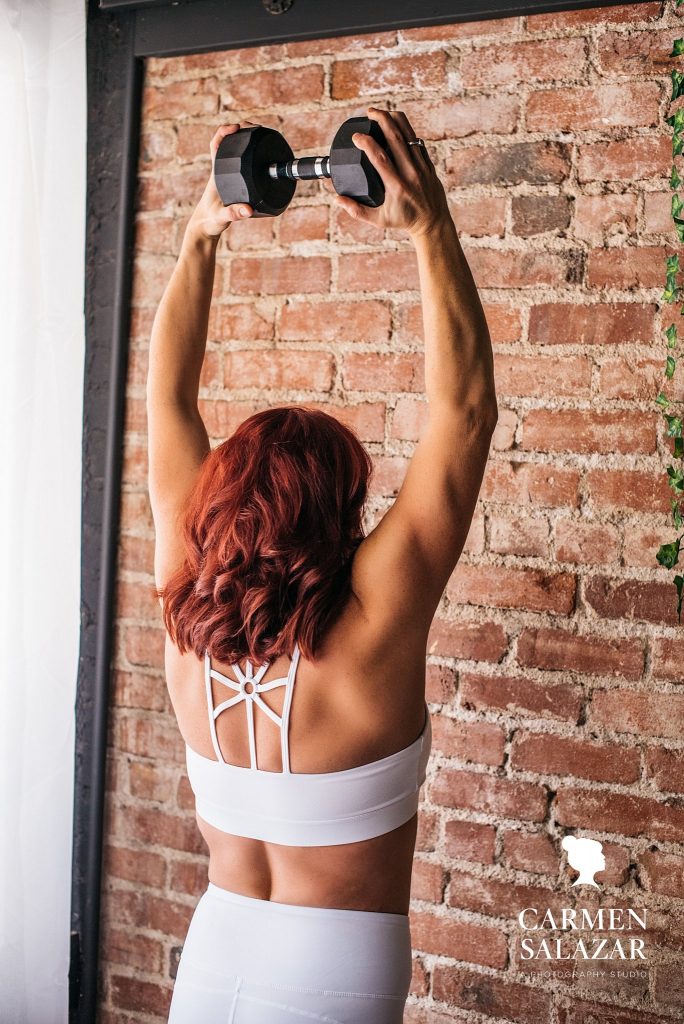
<point x="305" y="912"/>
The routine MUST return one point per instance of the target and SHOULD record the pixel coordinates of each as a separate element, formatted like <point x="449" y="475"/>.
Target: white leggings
<point x="251" y="961"/>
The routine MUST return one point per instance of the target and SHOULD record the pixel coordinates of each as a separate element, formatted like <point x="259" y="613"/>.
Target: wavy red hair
<point x="269" y="533"/>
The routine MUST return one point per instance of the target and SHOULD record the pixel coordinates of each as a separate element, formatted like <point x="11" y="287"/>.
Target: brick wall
<point x="555" y="659"/>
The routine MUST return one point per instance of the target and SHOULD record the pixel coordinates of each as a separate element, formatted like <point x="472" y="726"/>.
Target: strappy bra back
<point x="299" y="809"/>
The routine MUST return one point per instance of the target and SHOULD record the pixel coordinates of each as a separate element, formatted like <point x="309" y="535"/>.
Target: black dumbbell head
<point x="241" y="170"/>
<point x="351" y="171"/>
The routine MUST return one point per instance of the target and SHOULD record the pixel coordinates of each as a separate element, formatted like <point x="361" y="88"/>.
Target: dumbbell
<point x="256" y="166"/>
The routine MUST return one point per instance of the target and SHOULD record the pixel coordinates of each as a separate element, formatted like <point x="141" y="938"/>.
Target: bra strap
<point x="287" y="704"/>
<point x="210" y="708"/>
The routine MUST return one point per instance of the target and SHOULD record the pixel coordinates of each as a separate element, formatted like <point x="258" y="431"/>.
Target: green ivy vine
<point x="668" y="554"/>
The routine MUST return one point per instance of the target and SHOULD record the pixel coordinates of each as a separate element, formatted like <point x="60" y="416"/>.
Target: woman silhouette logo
<point x="585" y="856"/>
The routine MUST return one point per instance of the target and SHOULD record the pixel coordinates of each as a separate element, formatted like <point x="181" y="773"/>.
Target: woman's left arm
<point x="177" y="438"/>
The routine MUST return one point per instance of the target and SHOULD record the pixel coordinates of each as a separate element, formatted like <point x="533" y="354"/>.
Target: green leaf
<point x="671" y="293"/>
<point x="679" y="228"/>
<point x="678" y="448"/>
<point x="679" y="580"/>
<point x="676" y="120"/>
<point x="677" y="48"/>
<point x="676" y="479"/>
<point x="668" y="554"/>
<point x="670" y="364"/>
<point x="671" y="335"/>
<point x="672" y="263"/>
<point x="675" y="179"/>
<point x="676" y="513"/>
<point x="662" y="400"/>
<point x="676" y="205"/>
<point x="674" y="425"/>
<point x="677" y="84"/>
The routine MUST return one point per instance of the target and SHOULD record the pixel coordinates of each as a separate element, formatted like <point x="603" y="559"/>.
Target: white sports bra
<point x="300" y="809"/>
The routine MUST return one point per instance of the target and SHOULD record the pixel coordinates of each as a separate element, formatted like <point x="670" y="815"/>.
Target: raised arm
<point x="177" y="438"/>
<point x="401" y="568"/>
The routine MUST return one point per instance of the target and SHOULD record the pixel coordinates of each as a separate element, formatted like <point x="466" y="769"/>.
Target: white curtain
<point x="42" y="225"/>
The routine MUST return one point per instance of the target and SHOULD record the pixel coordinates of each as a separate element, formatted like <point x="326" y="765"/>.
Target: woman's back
<point x="359" y="702"/>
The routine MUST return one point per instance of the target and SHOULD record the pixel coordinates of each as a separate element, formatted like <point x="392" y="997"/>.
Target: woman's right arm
<point x="401" y="568"/>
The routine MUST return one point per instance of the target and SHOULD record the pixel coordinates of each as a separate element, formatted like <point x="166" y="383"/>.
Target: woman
<point x="307" y="794"/>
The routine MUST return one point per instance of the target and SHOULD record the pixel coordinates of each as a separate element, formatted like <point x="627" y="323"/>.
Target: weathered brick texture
<point x="555" y="660"/>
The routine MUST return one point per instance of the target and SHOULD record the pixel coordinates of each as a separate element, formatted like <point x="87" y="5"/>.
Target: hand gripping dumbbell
<point x="256" y="166"/>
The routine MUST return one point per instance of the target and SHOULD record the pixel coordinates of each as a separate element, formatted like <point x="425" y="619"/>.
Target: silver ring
<point x="416" y="142"/>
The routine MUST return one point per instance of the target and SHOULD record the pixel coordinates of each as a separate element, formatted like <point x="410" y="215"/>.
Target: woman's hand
<point x="210" y="217"/>
<point x="414" y="195"/>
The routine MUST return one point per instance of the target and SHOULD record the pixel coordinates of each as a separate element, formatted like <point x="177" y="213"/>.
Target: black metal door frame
<point x="120" y="35"/>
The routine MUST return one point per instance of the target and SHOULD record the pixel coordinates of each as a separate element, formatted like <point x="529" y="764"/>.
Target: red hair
<point x="269" y="533"/>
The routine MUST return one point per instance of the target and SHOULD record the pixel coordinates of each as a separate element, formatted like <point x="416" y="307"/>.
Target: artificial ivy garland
<point x="668" y="554"/>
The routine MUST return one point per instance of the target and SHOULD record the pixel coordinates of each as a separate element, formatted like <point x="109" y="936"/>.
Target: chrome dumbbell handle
<point x="306" y="168"/>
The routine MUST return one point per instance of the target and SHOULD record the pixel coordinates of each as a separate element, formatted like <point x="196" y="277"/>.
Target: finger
<point x="378" y="158"/>
<point x="237" y="211"/>
<point x="420" y="153"/>
<point x="395" y="140"/>
<point x="220" y="134"/>
<point x="355" y="210"/>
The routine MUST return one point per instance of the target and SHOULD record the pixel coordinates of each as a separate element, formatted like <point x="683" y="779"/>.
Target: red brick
<point x="647" y="713"/>
<point x="662" y="872"/>
<point x="287" y="368"/>
<point x="627" y="104"/>
<point x="617" y="323"/>
<point x="158" y="146"/>
<point x="668" y="989"/>
<point x="194" y="97"/>
<point x="529" y="60"/>
<point x="255" y="233"/>
<point x="534" y="215"/>
<point x="495" y="898"/>
<point x="151" y="279"/>
<point x="668" y="659"/>
<point x="635" y="53"/>
<point x="221" y="418"/>
<point x="143" y="996"/>
<point x="280" y="275"/>
<point x="491" y="995"/>
<point x="192" y="141"/>
<point x="479" y="216"/>
<point x="428" y="831"/>
<point x="448" y="935"/>
<point x="644" y="156"/>
<point x="530" y="851"/>
<point x="341" y="44"/>
<point x="388" y="474"/>
<point x="503" y="587"/>
<point x="137" y="600"/>
<point x="374" y="75"/>
<point x="381" y="371"/>
<point x="457" y="117"/>
<point x="632" y="599"/>
<point x="537" y="163"/>
<point x="440" y="684"/>
<point x="154" y="827"/>
<point x="624" y="13"/>
<point x="409" y="418"/>
<point x="478" y="742"/>
<point x="519" y="536"/>
<point x="625" y="814"/>
<point x="638" y="379"/>
<point x="240" y="322"/>
<point x="141" y="866"/>
<point x="543" y="485"/>
<point x="589" y="431"/>
<point x="188" y="877"/>
<point x="131" y="949"/>
<point x="641" y="544"/>
<point x="582" y="1012"/>
<point x="588" y="543"/>
<point x="151" y="781"/>
<point x="367" y="321"/>
<point x="143" y="645"/>
<point x="377" y="271"/>
<point x="262" y="90"/>
<point x="558" y="650"/>
<point x="467" y="840"/>
<point x="503" y="321"/>
<point x="489" y="794"/>
<point x="427" y="881"/>
<point x="136" y="690"/>
<point x="539" y="376"/>
<point x="463" y="29"/>
<point x="666" y="768"/>
<point x="149" y="736"/>
<point x="546" y="753"/>
<point x="626" y="267"/>
<point x="155" y="234"/>
<point x="517" y="695"/>
<point x="304" y="224"/>
<point x="474" y="641"/>
<point x="516" y="268"/>
<point x="639" y="490"/>
<point x="658" y="213"/>
<point x="170" y="191"/>
<point x="604" y="220"/>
